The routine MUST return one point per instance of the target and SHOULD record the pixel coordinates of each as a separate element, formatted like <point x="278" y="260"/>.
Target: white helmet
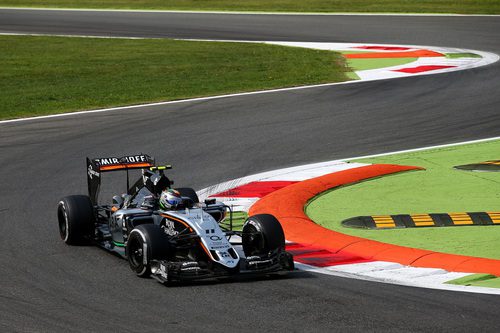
<point x="170" y="199"/>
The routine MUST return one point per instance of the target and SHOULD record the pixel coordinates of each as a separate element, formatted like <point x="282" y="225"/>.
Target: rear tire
<point x="76" y="219"/>
<point x="146" y="242"/>
<point x="189" y="193"/>
<point x="261" y="235"/>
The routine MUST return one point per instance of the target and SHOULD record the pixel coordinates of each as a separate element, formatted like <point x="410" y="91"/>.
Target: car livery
<point x="193" y="241"/>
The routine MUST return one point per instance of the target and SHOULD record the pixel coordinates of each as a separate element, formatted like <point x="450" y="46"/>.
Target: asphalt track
<point x="48" y="286"/>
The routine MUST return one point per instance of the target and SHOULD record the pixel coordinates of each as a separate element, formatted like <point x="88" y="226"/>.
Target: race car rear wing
<point x="96" y="166"/>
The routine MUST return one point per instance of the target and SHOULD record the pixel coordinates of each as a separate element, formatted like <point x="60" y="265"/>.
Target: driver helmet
<point x="170" y="199"/>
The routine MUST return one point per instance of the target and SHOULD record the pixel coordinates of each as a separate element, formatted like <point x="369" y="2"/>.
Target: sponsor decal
<point x="107" y="161"/>
<point x="256" y="225"/>
<point x="170" y="228"/>
<point x="224" y="254"/>
<point x="135" y="159"/>
<point x="216" y="243"/>
<point x="215" y="238"/>
<point x="125" y="159"/>
<point x="220" y="247"/>
<point x="91" y="172"/>
<point x="195" y="217"/>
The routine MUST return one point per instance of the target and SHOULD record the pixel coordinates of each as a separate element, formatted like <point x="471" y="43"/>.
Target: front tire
<point x="76" y="219"/>
<point x="261" y="235"/>
<point x="145" y="243"/>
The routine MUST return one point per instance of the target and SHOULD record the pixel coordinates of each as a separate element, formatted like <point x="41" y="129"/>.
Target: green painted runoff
<point x="478" y="280"/>
<point x="438" y="189"/>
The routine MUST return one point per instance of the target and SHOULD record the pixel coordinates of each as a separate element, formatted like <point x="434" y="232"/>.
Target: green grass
<point x="462" y="55"/>
<point x="239" y="219"/>
<point x="365" y="64"/>
<point x="439" y="189"/>
<point x="396" y="6"/>
<point x="478" y="280"/>
<point x="361" y="64"/>
<point x="46" y="75"/>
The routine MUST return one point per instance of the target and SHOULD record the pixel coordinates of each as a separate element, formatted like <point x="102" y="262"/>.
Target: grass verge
<point x="462" y="55"/>
<point x="368" y="6"/>
<point x="46" y="75"/>
<point x="478" y="280"/>
<point x="239" y="219"/>
<point x="366" y="64"/>
<point x="439" y="189"/>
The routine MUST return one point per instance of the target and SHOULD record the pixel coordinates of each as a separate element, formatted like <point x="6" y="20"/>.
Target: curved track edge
<point x="288" y="204"/>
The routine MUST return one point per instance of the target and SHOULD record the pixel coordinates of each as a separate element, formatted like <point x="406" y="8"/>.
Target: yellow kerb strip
<point x="461" y="218"/>
<point x="491" y="162"/>
<point x="422" y="220"/>
<point x="384" y="221"/>
<point x="494" y="216"/>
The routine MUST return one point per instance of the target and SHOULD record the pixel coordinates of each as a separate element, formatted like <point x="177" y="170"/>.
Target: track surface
<point x="47" y="286"/>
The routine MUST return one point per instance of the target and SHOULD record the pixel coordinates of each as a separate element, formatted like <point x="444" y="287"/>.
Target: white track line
<point x="382" y="73"/>
<point x="424" y="148"/>
<point x="299" y="173"/>
<point x="488" y="58"/>
<point x="77" y="36"/>
<point x="404" y="276"/>
<point x="308" y="171"/>
<point x="249" y="12"/>
<point x="198" y="99"/>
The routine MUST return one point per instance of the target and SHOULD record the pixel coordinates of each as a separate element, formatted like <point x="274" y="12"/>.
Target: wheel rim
<point x="136" y="254"/>
<point x="253" y="240"/>
<point x="63" y="223"/>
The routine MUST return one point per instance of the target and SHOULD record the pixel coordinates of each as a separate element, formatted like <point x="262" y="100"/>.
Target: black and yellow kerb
<point x="491" y="166"/>
<point x="423" y="220"/>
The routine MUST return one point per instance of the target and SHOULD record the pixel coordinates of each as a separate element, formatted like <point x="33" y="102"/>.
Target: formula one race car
<point x="190" y="241"/>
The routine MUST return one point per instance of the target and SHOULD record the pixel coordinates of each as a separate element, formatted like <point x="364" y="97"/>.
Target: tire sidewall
<point x="153" y="240"/>
<point x="271" y="232"/>
<point x="63" y="214"/>
<point x="76" y="213"/>
<point x="137" y="237"/>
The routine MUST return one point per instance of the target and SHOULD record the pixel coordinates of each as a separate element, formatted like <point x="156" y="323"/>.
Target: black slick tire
<point x="145" y="243"/>
<point x="76" y="219"/>
<point x="262" y="234"/>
